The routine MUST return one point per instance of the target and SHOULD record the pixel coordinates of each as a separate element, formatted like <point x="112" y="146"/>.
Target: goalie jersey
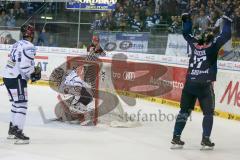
<point x="20" y="60"/>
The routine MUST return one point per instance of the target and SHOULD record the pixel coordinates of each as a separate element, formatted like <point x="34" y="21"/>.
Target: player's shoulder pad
<point x="29" y="50"/>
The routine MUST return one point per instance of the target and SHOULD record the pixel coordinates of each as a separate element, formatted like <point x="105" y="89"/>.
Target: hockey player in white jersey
<point x="19" y="69"/>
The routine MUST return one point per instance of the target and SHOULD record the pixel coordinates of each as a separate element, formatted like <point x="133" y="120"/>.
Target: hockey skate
<point x="207" y="144"/>
<point x="21" y="138"/>
<point x="12" y="131"/>
<point x="177" y="143"/>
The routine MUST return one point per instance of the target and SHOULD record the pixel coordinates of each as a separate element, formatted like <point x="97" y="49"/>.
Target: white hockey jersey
<point x="73" y="79"/>
<point x="20" y="60"/>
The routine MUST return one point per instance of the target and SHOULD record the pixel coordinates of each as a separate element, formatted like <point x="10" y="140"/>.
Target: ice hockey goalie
<point x="78" y="86"/>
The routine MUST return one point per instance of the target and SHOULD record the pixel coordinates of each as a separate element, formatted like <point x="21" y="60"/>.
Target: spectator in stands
<point x="202" y="7"/>
<point x="176" y="25"/>
<point x="128" y="6"/>
<point x="52" y="41"/>
<point x="42" y="38"/>
<point x="9" y="39"/>
<point x="192" y="7"/>
<point x="124" y="21"/>
<point x="3" y="18"/>
<point x="213" y="17"/>
<point x="29" y="8"/>
<point x="150" y="20"/>
<point x="202" y="22"/>
<point x="119" y="17"/>
<point x="136" y="24"/>
<point x="108" y="21"/>
<point x="182" y="5"/>
<point x="96" y="24"/>
<point x="210" y="6"/>
<point x="11" y="21"/>
<point x="19" y="11"/>
<point x="237" y="24"/>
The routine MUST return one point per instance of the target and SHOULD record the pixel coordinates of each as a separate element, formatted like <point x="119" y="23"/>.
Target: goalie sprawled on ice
<point x="77" y="86"/>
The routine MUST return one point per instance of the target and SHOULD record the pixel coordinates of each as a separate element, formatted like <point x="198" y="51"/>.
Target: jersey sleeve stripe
<point x="19" y="107"/>
<point x="18" y="112"/>
<point x="25" y="67"/>
<point x="27" y="55"/>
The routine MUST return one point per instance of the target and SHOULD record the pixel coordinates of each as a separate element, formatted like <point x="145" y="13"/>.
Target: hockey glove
<point x="186" y="17"/>
<point x="229" y="12"/>
<point x="36" y="75"/>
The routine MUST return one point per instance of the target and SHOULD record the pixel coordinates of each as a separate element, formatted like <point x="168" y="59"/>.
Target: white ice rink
<point x="58" y="141"/>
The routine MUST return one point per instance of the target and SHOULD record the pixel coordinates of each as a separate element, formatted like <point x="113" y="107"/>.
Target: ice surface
<point x="60" y="141"/>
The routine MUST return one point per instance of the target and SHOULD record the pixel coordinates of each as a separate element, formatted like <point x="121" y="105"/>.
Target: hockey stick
<point x="45" y="120"/>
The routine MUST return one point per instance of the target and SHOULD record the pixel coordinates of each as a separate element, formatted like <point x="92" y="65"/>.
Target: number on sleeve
<point x="13" y="55"/>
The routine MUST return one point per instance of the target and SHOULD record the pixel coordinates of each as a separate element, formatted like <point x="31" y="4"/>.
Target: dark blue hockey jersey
<point x="203" y="59"/>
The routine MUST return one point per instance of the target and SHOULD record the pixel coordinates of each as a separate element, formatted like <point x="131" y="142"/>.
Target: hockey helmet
<point x="204" y="37"/>
<point x="95" y="39"/>
<point x="27" y="31"/>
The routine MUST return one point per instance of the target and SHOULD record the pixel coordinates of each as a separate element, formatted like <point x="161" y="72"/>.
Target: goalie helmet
<point x="27" y="31"/>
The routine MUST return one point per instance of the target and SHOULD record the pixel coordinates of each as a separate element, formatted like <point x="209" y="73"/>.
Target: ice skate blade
<point x="176" y="146"/>
<point x="11" y="137"/>
<point x="206" y="148"/>
<point x="21" y="142"/>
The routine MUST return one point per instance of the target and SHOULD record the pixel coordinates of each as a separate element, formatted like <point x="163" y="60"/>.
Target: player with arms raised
<point x="201" y="73"/>
<point x="19" y="69"/>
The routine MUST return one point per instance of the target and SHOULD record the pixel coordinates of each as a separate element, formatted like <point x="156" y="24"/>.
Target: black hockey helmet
<point x="204" y="37"/>
<point x="27" y="31"/>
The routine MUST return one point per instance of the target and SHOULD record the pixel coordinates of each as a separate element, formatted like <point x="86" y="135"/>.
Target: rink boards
<point x="156" y="78"/>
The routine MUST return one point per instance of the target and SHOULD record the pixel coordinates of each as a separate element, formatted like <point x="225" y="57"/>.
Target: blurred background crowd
<point x="53" y="20"/>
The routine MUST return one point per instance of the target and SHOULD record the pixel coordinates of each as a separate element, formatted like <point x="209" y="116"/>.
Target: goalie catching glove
<point x="36" y="75"/>
<point x="186" y="17"/>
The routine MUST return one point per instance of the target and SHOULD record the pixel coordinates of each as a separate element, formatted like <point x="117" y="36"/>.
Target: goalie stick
<point x="45" y="120"/>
